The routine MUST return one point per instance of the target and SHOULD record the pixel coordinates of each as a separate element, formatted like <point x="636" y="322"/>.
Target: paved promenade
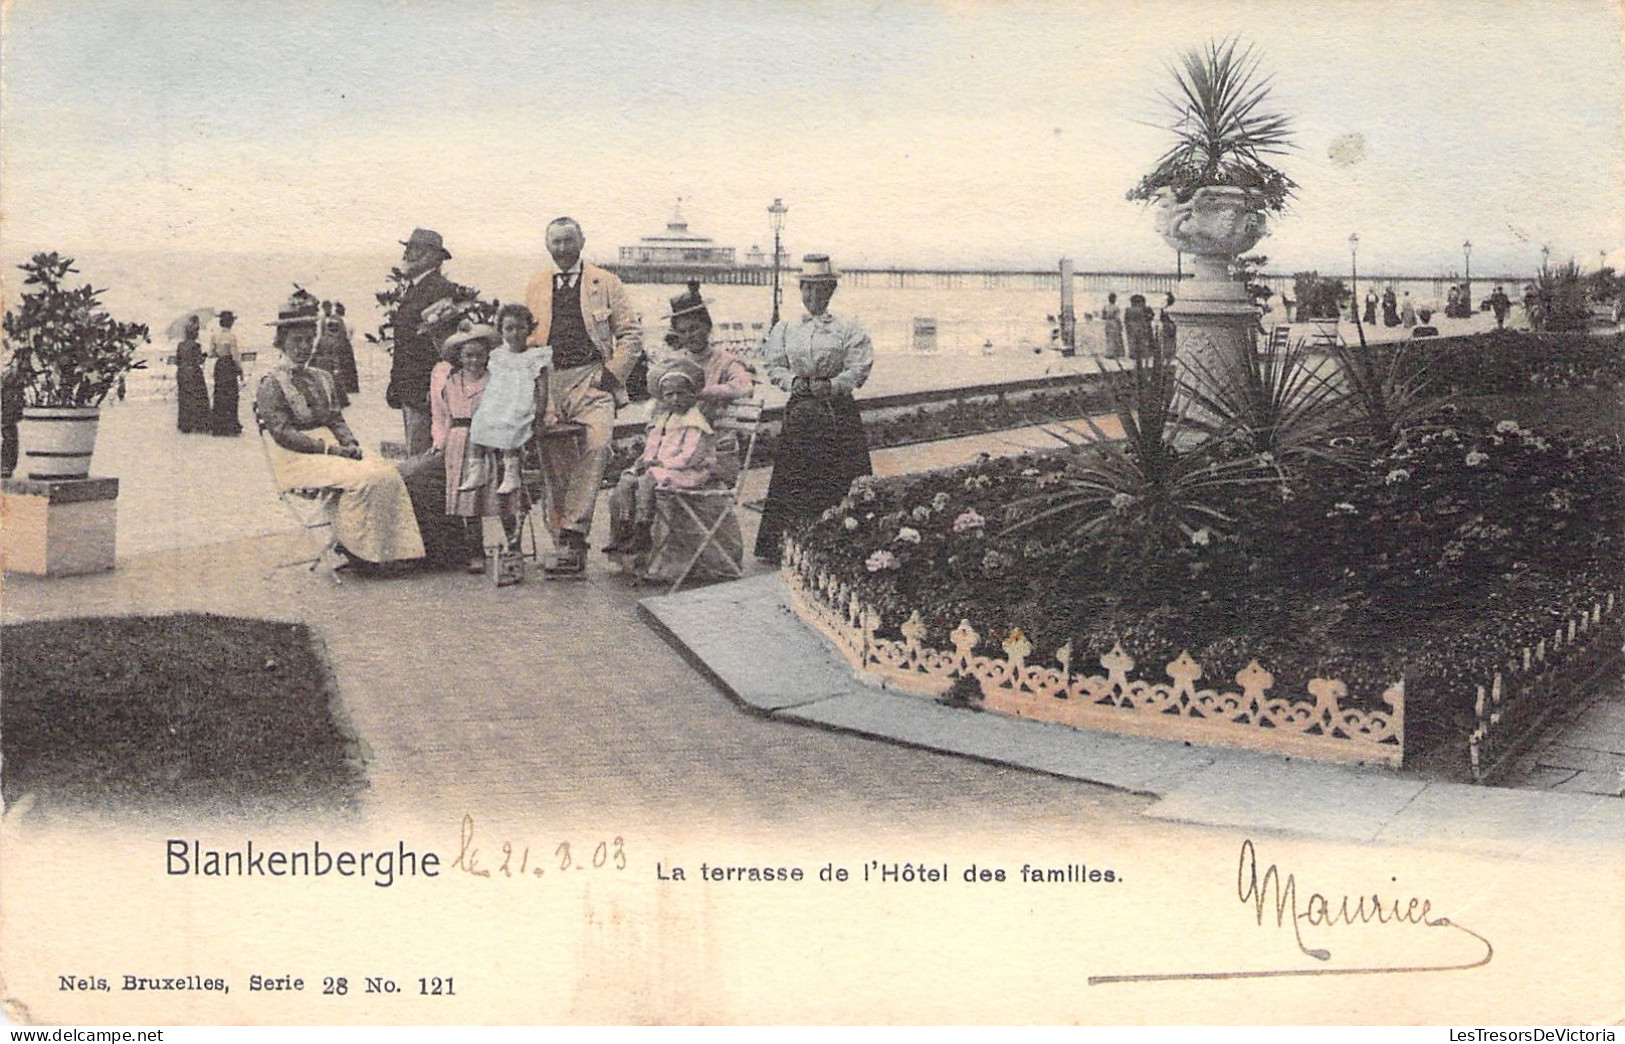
<point x="548" y="691"/>
<point x="552" y="710"/>
<point x="206" y="533"/>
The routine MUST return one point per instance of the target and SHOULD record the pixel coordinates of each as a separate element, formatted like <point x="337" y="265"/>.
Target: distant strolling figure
<point x="1112" y="317"/>
<point x="1390" y="308"/>
<point x="821" y="360"/>
<point x="351" y="378"/>
<point x="1407" y="312"/>
<point x="11" y="414"/>
<point x="228" y="375"/>
<point x="1137" y="327"/>
<point x="1370" y="317"/>
<point x="1168" y="334"/>
<point x="191" y="388"/>
<point x="333" y="352"/>
<point x="1500" y="304"/>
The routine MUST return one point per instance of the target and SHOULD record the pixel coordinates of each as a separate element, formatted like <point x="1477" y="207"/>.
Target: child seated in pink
<point x="679" y="452"/>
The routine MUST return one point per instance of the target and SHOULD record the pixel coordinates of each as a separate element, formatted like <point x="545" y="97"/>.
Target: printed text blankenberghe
<point x="381" y="867"/>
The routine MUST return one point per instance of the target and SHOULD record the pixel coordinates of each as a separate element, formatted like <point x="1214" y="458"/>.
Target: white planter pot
<point x="57" y="441"/>
<point x="1214" y="226"/>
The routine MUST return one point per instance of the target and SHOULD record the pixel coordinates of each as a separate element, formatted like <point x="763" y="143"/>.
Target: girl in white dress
<point x="514" y="395"/>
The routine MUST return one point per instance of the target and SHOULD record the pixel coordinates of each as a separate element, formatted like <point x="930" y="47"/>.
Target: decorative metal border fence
<point x="1520" y="698"/>
<point x="1320" y="727"/>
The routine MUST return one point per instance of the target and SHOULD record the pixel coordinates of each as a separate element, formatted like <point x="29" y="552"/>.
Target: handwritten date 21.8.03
<point x="511" y="859"/>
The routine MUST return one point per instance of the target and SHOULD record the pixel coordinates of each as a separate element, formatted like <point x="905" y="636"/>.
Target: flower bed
<point x="1434" y="564"/>
<point x="1509" y="361"/>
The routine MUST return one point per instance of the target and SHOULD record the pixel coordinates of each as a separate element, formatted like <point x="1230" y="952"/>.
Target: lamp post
<point x="1467" y="284"/>
<point x="775" y="214"/>
<point x="1545" y="257"/>
<point x="1354" y="276"/>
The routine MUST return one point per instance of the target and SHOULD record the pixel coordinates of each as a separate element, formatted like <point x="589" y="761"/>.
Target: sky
<point x="948" y="134"/>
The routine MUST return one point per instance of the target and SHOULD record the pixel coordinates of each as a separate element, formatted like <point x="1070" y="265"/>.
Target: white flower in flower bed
<point x="1396" y="476"/>
<point x="921" y="513"/>
<point x="881" y="560"/>
<point x="1202" y="537"/>
<point x="968" y="521"/>
<point x="908" y="535"/>
<point x="1475" y="458"/>
<point x="1122" y="501"/>
<point x="1506" y="426"/>
<point x="940" y="501"/>
<point x="849" y="522"/>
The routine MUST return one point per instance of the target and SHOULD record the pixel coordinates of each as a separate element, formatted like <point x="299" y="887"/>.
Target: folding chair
<point x="311" y="506"/>
<point x="707" y="510"/>
<point x="553" y="447"/>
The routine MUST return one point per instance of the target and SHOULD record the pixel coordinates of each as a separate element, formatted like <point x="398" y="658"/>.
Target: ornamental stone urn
<point x="1213" y="312"/>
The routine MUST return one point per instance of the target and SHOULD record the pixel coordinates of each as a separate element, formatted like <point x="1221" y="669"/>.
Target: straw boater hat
<point x="816" y="268"/>
<point x="689" y="302"/>
<point x="423" y="237"/>
<point x="471" y="331"/>
<point x="677" y="367"/>
<point x="227" y="317"/>
<point x="301" y="309"/>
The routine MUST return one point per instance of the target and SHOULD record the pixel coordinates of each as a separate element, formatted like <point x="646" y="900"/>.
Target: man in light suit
<point x="584" y="314"/>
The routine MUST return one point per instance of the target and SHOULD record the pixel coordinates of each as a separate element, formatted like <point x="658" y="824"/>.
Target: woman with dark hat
<point x="191" y="388"/>
<point x="228" y="376"/>
<point x="312" y="446"/>
<point x="726" y="376"/>
<point x="821" y="361"/>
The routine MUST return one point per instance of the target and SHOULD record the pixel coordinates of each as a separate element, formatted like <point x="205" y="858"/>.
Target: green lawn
<point x="190" y="710"/>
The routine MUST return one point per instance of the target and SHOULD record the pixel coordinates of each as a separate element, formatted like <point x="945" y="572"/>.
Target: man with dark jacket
<point x="417" y="348"/>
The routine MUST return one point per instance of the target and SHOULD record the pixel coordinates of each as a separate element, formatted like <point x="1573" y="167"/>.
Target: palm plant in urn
<point x="66" y="353"/>
<point x="1214" y="185"/>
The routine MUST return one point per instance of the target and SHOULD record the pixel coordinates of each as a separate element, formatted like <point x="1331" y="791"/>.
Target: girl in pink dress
<point x="455" y="392"/>
<point x="679" y="452"/>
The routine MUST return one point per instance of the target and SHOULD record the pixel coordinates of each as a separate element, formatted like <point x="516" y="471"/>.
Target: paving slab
<point x="1597" y="731"/>
<point x="1495" y="818"/>
<point x="1122" y="762"/>
<point x="1568" y="755"/>
<point x="1278" y="793"/>
<point x="1543" y="777"/>
<point x="1605" y="783"/>
<point x="729" y="629"/>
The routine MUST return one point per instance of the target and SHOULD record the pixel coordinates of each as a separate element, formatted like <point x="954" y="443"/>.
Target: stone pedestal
<point x="61" y="527"/>
<point x="1216" y="319"/>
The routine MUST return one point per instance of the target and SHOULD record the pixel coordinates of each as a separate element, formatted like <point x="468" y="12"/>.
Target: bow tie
<point x="562" y="281"/>
<point x="821" y="318"/>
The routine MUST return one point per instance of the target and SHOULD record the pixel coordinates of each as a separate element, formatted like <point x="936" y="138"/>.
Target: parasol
<point x="177" y="327"/>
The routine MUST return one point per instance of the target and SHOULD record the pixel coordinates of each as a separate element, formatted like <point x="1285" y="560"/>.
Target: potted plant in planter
<point x="68" y="354"/>
<point x="1213" y="184"/>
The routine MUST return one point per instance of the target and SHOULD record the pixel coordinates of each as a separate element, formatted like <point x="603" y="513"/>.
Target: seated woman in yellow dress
<point x="312" y="446"/>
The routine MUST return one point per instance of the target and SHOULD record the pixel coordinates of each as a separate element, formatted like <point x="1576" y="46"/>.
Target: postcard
<point x="537" y="513"/>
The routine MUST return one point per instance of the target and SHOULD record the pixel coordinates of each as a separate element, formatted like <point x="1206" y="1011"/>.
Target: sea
<point x="924" y="336"/>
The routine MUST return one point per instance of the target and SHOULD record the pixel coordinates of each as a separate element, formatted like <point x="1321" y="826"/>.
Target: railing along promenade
<point x="910" y="278"/>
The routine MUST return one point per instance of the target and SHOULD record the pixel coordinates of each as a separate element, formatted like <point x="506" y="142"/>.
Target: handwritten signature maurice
<point x="1278" y="891"/>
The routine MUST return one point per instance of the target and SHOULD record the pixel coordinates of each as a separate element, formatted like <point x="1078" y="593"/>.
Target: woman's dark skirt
<point x="191" y="398"/>
<point x="821" y="448"/>
<point x="226" y="371"/>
